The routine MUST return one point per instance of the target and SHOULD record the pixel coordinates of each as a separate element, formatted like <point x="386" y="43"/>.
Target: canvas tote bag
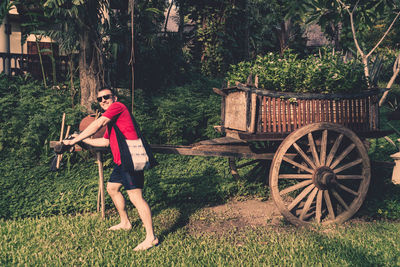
<point x="140" y="159"/>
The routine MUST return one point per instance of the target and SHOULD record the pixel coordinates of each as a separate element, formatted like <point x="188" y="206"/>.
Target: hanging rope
<point x="132" y="58"/>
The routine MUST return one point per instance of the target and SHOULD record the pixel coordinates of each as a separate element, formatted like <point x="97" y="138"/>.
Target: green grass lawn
<point x="83" y="240"/>
<point x="180" y="190"/>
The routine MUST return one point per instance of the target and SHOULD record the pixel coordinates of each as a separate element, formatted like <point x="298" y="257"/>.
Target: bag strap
<point x="126" y="160"/>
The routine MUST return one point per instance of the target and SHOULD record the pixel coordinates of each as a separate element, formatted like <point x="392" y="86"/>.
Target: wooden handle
<point x="62" y="127"/>
<point x="67" y="132"/>
<point x="61" y="138"/>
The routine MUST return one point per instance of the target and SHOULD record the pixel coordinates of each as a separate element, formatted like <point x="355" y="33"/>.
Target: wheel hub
<point x="324" y="177"/>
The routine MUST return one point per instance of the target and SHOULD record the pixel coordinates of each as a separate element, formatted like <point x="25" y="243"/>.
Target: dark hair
<point x="108" y="88"/>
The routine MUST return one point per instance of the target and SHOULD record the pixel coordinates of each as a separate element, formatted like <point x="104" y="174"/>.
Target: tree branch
<point x="384" y="36"/>
<point x="396" y="70"/>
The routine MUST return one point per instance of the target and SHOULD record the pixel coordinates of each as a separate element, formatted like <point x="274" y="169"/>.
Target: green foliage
<point x="387" y="57"/>
<point x="34" y="191"/>
<point x="180" y="115"/>
<point x="31" y="116"/>
<point x="324" y="73"/>
<point x="5" y="7"/>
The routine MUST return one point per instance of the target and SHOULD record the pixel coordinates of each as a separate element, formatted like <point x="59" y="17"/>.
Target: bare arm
<point x="97" y="142"/>
<point x="89" y="131"/>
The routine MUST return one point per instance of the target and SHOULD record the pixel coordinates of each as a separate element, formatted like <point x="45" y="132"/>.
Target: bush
<point x="325" y="73"/>
<point x="180" y="115"/>
<point x="30" y="116"/>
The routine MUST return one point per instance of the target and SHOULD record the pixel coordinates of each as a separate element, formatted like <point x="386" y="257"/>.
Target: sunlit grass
<point x="84" y="240"/>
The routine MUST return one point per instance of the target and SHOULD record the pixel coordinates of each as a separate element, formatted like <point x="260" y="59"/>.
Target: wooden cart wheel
<point x="252" y="169"/>
<point x="328" y="179"/>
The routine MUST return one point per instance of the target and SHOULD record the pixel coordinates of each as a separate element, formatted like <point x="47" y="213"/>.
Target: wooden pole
<point x="61" y="156"/>
<point x="101" y="184"/>
<point x="61" y="138"/>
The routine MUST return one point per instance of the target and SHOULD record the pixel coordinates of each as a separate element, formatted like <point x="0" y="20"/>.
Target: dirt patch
<point x="233" y="216"/>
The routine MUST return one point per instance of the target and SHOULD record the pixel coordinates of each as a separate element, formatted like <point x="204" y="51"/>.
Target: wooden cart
<point x="311" y="146"/>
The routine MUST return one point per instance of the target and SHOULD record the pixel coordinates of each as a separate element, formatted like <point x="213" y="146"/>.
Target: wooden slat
<point x="294" y="105"/>
<point x="313" y="110"/>
<point x="362" y="114"/>
<point x="327" y="110"/>
<point x="338" y="111"/>
<point x="264" y="114"/>
<point x="335" y="111"/>
<point x="311" y="114"/>
<point x="290" y="120"/>
<point x="355" y="115"/>
<point x="303" y="113"/>
<point x="259" y="114"/>
<point x="284" y="108"/>
<point x="279" y="115"/>
<point x="299" y="110"/>
<point x="351" y="115"/>
<point x="269" y="114"/>
<point x="273" y="110"/>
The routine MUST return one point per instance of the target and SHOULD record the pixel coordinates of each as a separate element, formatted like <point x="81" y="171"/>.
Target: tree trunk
<point x="366" y="69"/>
<point x="89" y="74"/>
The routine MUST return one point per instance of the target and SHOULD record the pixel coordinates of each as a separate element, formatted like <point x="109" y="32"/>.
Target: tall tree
<point x="75" y="24"/>
<point x="82" y="20"/>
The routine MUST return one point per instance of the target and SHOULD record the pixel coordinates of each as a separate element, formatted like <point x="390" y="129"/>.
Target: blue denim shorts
<point x="126" y="179"/>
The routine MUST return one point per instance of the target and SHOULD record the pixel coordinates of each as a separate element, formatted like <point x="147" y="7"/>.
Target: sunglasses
<point x="105" y="97"/>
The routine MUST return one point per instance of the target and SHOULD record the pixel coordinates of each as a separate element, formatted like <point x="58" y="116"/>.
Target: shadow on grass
<point x="352" y="248"/>
<point x="383" y="198"/>
<point x="186" y="194"/>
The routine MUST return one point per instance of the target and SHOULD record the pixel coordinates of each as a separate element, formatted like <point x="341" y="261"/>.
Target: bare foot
<point x="147" y="244"/>
<point x="121" y="226"/>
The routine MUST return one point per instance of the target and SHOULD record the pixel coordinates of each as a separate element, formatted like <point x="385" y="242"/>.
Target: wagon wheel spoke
<point x="298" y="165"/>
<point x="295" y="187"/>
<point x="329" y="204"/>
<point x="304" y="156"/>
<point x="300" y="197"/>
<point x="342" y="156"/>
<point x="340" y="199"/>
<point x="318" y="208"/>
<point x="350" y="177"/>
<point x="313" y="149"/>
<point x="324" y="142"/>
<point x="345" y="188"/>
<point x="308" y="203"/>
<point x="295" y="176"/>
<point x="348" y="165"/>
<point x="334" y="149"/>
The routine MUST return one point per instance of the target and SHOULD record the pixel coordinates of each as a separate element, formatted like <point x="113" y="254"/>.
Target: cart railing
<point x="252" y="110"/>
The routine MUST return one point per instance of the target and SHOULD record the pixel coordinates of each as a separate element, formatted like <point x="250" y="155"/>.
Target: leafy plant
<point x="327" y="72"/>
